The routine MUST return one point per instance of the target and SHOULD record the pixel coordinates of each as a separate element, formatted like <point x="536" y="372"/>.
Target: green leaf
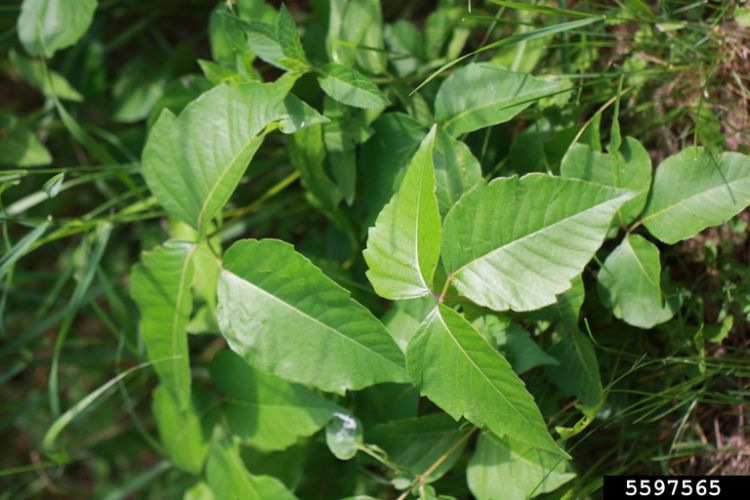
<point x="48" y="82"/>
<point x="263" y="410"/>
<point x="355" y="35"/>
<point x="286" y="32"/>
<point x="403" y="319"/>
<point x="348" y="128"/>
<point x="160" y="286"/>
<point x="629" y="283"/>
<point x="344" y="435"/>
<point x="484" y="94"/>
<point x="284" y="316"/>
<point x="385" y="402"/>
<point x="417" y="443"/>
<point x="450" y="363"/>
<point x="517" y="243"/>
<point x="308" y="154"/>
<point x="405" y="47"/>
<point x="629" y="168"/>
<point x="186" y="434"/>
<point x="193" y="163"/>
<point x="384" y="158"/>
<point x="577" y="374"/>
<point x="199" y="491"/>
<point x="278" y="45"/>
<point x="514" y="342"/>
<point x="456" y="170"/>
<point x="228" y="477"/>
<point x="349" y="86"/>
<point x="696" y="189"/>
<point x="19" y="146"/>
<point x="567" y="307"/>
<point x="403" y="247"/>
<point x="523" y="471"/>
<point x="46" y="26"/>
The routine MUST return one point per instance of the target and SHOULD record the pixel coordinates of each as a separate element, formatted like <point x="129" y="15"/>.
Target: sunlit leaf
<point x="450" y="363"/>
<point x="517" y="243"/>
<point x="696" y="189"/>
<point x="284" y="316"/>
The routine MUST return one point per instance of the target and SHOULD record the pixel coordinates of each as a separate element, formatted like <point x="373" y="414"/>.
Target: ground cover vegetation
<point x="364" y="249"/>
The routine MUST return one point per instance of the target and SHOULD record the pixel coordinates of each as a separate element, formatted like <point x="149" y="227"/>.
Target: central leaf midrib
<point x="311" y="318"/>
<point x="175" y="316"/>
<point x="209" y="196"/>
<point x="478" y="369"/>
<point x="417" y="220"/>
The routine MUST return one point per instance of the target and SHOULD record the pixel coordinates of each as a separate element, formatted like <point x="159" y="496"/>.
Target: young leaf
<point x="19" y="146"/>
<point x="46" y="26"/>
<point x="450" y="363"/>
<point x="577" y="374"/>
<point x="284" y="316"/>
<point x="403" y="247"/>
<point x="517" y="243"/>
<point x="696" y="189"/>
<point x="483" y="94"/>
<point x="193" y="163"/>
<point x="160" y="286"/>
<point x="344" y="435"/>
<point x="629" y="168"/>
<point x="278" y="45"/>
<point x="349" y="86"/>
<point x="263" y="410"/>
<point x="456" y="170"/>
<point x="524" y="471"/>
<point x="186" y="433"/>
<point x="228" y="477"/>
<point x="629" y="283"/>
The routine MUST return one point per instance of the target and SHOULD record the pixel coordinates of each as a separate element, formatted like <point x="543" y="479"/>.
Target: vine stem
<point x="444" y="291"/>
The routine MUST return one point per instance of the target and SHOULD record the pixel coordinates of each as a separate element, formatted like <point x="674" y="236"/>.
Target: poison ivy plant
<point x="429" y="284"/>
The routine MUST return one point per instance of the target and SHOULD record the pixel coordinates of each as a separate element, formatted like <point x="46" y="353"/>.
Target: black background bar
<point x="668" y="487"/>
